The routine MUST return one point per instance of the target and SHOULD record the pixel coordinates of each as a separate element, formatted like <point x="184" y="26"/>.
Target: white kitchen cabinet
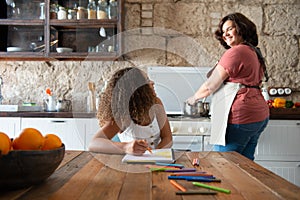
<point x="206" y="143"/>
<point x="10" y="126"/>
<point x="91" y="127"/>
<point x="287" y="170"/>
<point x="70" y="130"/>
<point x="278" y="149"/>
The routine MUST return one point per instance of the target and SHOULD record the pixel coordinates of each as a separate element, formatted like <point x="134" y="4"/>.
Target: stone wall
<point x="167" y="32"/>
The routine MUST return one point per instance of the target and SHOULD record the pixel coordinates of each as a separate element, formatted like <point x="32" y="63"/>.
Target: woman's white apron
<point x="222" y="101"/>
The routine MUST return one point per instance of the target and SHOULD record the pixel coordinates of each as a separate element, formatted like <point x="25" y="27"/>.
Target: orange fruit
<point x="52" y="141"/>
<point x="5" y="144"/>
<point x="29" y="139"/>
<point x="15" y="143"/>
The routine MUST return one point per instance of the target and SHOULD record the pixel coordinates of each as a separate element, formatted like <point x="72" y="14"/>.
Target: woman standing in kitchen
<point x="239" y="111"/>
<point x="130" y="109"/>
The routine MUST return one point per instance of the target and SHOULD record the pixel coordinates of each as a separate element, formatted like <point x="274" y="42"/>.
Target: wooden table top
<point x="85" y="175"/>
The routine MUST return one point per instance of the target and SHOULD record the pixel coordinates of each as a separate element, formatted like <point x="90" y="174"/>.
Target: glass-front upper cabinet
<point x="62" y="30"/>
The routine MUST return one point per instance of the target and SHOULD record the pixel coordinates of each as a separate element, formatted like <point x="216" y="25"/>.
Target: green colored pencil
<point x="212" y="187"/>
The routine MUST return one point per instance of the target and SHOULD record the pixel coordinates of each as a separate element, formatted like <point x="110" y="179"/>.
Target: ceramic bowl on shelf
<point x="14" y="49"/>
<point x="63" y="49"/>
<point x="24" y="168"/>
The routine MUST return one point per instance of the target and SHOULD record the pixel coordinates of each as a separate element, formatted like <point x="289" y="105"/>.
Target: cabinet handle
<point x="298" y="123"/>
<point x="58" y="121"/>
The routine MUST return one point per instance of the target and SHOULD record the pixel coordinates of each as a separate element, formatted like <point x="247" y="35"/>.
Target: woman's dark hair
<point x="128" y="96"/>
<point x="245" y="28"/>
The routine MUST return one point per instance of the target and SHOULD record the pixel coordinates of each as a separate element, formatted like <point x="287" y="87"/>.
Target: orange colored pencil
<point x="177" y="185"/>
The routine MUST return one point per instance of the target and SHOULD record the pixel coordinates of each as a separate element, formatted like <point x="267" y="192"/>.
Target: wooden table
<point x="85" y="175"/>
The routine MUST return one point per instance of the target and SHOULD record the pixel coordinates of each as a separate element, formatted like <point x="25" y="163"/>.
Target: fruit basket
<point x="23" y="168"/>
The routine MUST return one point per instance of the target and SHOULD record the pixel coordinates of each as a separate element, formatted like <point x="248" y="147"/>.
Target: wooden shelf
<point x="77" y="34"/>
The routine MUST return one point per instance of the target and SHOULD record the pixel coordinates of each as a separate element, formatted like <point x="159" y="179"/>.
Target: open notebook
<point x="157" y="155"/>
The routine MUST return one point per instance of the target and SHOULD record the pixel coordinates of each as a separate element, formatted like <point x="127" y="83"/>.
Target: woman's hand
<point x="192" y="100"/>
<point x="136" y="147"/>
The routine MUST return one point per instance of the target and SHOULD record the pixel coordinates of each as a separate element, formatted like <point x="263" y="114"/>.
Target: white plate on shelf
<point x="14" y="49"/>
<point x="63" y="49"/>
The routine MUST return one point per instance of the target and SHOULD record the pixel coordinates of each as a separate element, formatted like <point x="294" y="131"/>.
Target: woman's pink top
<point x="242" y="65"/>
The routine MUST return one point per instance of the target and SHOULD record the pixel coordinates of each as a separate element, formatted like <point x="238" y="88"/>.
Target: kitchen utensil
<point x="287" y="91"/>
<point x="102" y="32"/>
<point x="280" y="91"/>
<point x="32" y="46"/>
<point x="50" y="104"/>
<point x="191" y="110"/>
<point x="204" y="107"/>
<point x="91" y="101"/>
<point x="63" y="105"/>
<point x="14" y="49"/>
<point x="200" y="108"/>
<point x="63" y="49"/>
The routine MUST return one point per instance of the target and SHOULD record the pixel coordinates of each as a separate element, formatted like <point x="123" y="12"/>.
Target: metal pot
<point x="204" y="109"/>
<point x="199" y="109"/>
<point x="64" y="105"/>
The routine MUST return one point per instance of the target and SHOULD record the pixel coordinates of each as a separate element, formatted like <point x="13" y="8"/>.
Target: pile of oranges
<point x="29" y="139"/>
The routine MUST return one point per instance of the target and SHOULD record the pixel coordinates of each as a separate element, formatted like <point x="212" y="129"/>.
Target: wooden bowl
<point x="23" y="168"/>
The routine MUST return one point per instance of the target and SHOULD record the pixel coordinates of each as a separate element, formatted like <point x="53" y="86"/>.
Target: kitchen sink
<point x="16" y="108"/>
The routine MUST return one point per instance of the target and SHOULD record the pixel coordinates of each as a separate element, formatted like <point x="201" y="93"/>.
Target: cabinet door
<point x="206" y="144"/>
<point x="90" y="126"/>
<point x="71" y="131"/>
<point x="10" y="126"/>
<point x="280" y="141"/>
<point x="287" y="170"/>
<point x="187" y="143"/>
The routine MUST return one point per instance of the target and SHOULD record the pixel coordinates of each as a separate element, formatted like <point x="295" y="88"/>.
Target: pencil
<point x="177" y="185"/>
<point x="149" y="149"/>
<point x="212" y="187"/>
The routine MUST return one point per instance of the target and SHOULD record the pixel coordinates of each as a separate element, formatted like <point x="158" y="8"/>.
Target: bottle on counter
<point x="62" y="13"/>
<point x="92" y="10"/>
<point x="113" y="9"/>
<point x="102" y="9"/>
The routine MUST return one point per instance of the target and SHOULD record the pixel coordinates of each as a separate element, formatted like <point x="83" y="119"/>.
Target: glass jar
<point x="42" y="7"/>
<point x="92" y="13"/>
<point x="113" y="9"/>
<point x="53" y="11"/>
<point x="81" y="13"/>
<point x="102" y="9"/>
<point x="72" y="14"/>
<point x="62" y="13"/>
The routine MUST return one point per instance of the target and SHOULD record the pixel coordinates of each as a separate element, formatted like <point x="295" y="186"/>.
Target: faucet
<point x="1" y="83"/>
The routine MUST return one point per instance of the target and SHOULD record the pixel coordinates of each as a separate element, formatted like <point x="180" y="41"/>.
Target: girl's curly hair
<point x="128" y="96"/>
<point x="244" y="27"/>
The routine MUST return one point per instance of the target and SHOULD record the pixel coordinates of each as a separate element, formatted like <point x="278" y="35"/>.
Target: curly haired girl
<point x="130" y="109"/>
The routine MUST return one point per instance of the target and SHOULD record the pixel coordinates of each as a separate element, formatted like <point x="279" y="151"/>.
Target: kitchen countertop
<point x="85" y="175"/>
<point x="49" y="114"/>
<point x="275" y="113"/>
